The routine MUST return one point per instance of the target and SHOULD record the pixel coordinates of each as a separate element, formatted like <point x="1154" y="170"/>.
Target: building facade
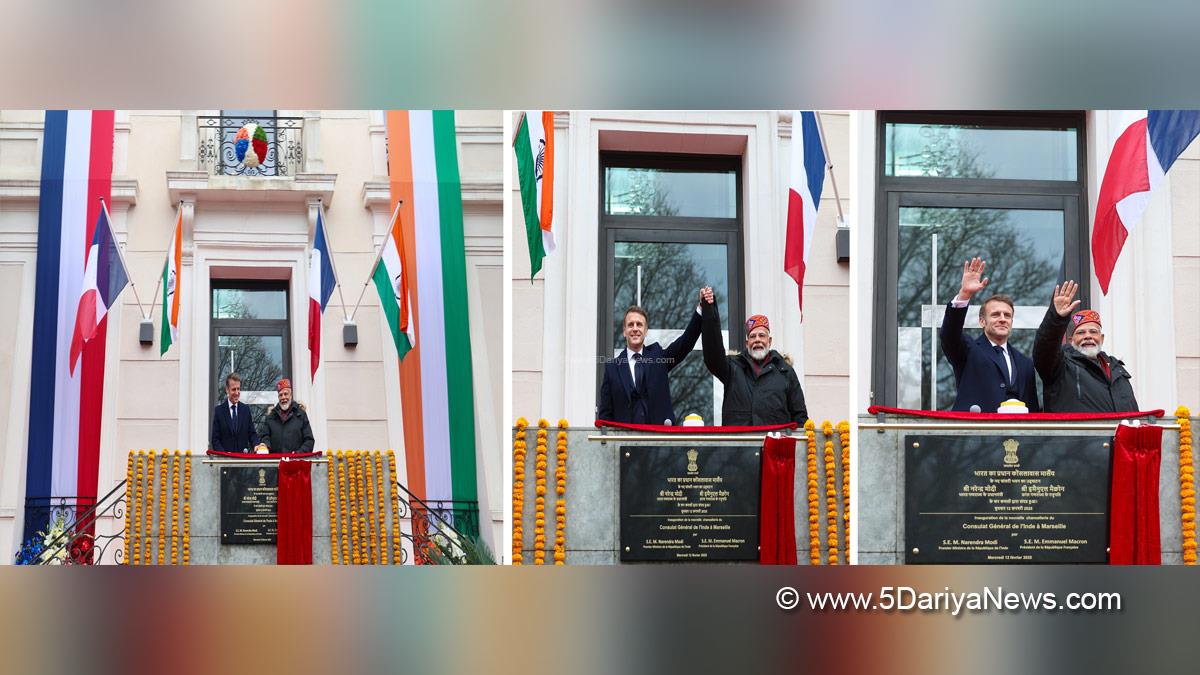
<point x="246" y="244"/>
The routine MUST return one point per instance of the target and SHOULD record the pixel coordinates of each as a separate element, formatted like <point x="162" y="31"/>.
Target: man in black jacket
<point x="761" y="387"/>
<point x="286" y="428"/>
<point x="1076" y="375"/>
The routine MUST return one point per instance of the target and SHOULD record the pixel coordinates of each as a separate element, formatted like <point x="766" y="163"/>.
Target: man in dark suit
<point x="232" y="425"/>
<point x="987" y="370"/>
<point x="635" y="388"/>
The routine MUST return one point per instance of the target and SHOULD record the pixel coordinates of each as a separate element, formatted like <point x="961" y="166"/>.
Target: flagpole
<point x="378" y="257"/>
<point x="158" y="284"/>
<point x="337" y="278"/>
<point x="517" y="129"/>
<point x="837" y="199"/>
<point x="121" y="257"/>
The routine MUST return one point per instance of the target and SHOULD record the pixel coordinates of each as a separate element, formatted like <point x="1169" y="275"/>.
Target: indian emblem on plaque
<point x="1010" y="452"/>
<point x="262" y="477"/>
<point x="692" y="466"/>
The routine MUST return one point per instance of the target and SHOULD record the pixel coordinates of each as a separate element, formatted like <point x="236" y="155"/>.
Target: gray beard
<point x="758" y="354"/>
<point x="285" y="406"/>
<point x="1090" y="352"/>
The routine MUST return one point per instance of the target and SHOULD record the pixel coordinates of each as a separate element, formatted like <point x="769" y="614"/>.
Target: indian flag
<point x="534" y="148"/>
<point x="170" y="283"/>
<point x="391" y="280"/>
<point x="436" y="384"/>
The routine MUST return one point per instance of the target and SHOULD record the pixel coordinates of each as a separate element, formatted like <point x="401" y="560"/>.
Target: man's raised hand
<point x="971" y="281"/>
<point x="1063" y="295"/>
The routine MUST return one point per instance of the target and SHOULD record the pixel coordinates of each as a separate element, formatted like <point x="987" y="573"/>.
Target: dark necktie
<point x="233" y="414"/>
<point x="1007" y="372"/>
<point x="637" y="370"/>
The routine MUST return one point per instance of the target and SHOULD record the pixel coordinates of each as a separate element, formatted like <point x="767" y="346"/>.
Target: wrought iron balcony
<point x="217" y="150"/>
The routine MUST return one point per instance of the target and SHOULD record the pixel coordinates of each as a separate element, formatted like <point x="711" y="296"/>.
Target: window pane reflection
<point x="971" y="151"/>
<point x="242" y="303"/>
<point x="665" y="192"/>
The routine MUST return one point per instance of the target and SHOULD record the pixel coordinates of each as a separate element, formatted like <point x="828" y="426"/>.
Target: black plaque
<point x="1006" y="499"/>
<point x="249" y="497"/>
<point x="689" y="503"/>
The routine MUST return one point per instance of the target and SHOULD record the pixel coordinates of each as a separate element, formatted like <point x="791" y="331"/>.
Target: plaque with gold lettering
<point x="249" y="498"/>
<point x="689" y="503"/>
<point x="1006" y="499"/>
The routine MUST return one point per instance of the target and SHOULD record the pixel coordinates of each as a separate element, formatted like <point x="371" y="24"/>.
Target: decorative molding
<point x="28" y="190"/>
<point x="376" y="194"/>
<point x="296" y="189"/>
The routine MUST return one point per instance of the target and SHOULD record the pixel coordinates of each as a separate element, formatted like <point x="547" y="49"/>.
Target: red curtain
<point x="777" y="511"/>
<point x="294" y="544"/>
<point x="1133" y="537"/>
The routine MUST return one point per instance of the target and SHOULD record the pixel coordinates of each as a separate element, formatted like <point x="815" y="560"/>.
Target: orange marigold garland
<point x="392" y="483"/>
<point x="518" y="493"/>
<point x="175" y="508"/>
<point x="560" y="489"/>
<point x="133" y="542"/>
<point x="335" y="553"/>
<point x="369" y="481"/>
<point x="148" y="510"/>
<point x="343" y="501"/>
<point x="162" y="506"/>
<point x="187" y="507"/>
<point x="539" y="508"/>
<point x="128" y="487"/>
<point x="814" y="518"/>
<point x="355" y="509"/>
<point x="831" y="495"/>
<point x="381" y="529"/>
<point x="844" y="435"/>
<point x="1187" y="486"/>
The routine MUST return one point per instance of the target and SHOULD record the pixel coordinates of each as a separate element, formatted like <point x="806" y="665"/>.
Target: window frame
<point x="264" y="327"/>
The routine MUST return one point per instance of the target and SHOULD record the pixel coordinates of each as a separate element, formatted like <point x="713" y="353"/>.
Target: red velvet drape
<point x="294" y="544"/>
<point x="1133" y="537"/>
<point x="777" y="511"/>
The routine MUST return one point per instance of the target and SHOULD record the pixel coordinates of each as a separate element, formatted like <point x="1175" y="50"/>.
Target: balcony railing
<point x="217" y="151"/>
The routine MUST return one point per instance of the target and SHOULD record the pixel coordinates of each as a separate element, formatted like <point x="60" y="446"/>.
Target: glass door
<point x="250" y="337"/>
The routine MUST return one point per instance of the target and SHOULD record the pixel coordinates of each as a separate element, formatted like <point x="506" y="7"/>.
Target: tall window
<point x="669" y="225"/>
<point x="250" y="336"/>
<point x="1009" y="188"/>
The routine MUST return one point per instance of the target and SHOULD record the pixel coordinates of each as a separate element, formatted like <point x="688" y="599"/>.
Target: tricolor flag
<point x="1140" y="157"/>
<point x="534" y="147"/>
<point x="436" y="383"/>
<point x="391" y="280"/>
<point x="805" y="181"/>
<point x="64" y="407"/>
<point x="171" y="289"/>
<point x="104" y="277"/>
<point x="321" y="281"/>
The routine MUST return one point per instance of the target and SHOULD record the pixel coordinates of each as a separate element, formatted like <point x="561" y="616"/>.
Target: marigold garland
<point x="560" y="489"/>
<point x="128" y="487"/>
<point x="162" y="506"/>
<point x="397" y="558"/>
<point x="381" y="522"/>
<point x="187" y="507"/>
<point x="343" y="506"/>
<point x="335" y="553"/>
<point x="518" y="493"/>
<point x="148" y="507"/>
<point x="814" y="518"/>
<point x="539" y="509"/>
<point x="369" y="480"/>
<point x="355" y="510"/>
<point x="831" y="496"/>
<point x="844" y="436"/>
<point x="133" y="518"/>
<point x="175" y="508"/>
<point x="1187" y="486"/>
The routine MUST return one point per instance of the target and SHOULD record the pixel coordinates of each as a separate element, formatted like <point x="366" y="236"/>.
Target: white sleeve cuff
<point x="959" y="304"/>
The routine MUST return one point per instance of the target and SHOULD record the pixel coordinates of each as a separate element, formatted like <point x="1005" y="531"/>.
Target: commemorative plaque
<point x="249" y="497"/>
<point x="1006" y="499"/>
<point x="689" y="503"/>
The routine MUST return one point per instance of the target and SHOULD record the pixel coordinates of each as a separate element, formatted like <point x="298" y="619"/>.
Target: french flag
<point x="65" y="404"/>
<point x="1141" y="156"/>
<point x="806" y="179"/>
<point x="321" y="280"/>
<point x="104" y="277"/>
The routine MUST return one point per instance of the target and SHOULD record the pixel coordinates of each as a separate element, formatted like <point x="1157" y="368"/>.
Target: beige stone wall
<point x="1185" y="265"/>
<point x="548" y="378"/>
